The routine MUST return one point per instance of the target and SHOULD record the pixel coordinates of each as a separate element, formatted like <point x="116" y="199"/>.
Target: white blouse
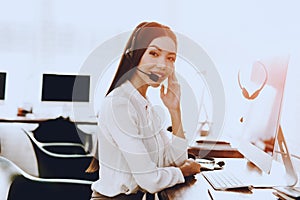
<point x="135" y="152"/>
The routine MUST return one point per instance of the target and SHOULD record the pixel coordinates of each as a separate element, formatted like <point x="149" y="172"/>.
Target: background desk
<point x="217" y="150"/>
<point x="34" y="120"/>
<point x="196" y="188"/>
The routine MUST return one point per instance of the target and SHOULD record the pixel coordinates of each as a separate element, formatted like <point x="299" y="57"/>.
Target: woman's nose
<point x="161" y="66"/>
<point x="164" y="66"/>
<point x="161" y="62"/>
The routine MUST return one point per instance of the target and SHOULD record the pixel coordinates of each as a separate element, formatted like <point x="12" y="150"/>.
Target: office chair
<point x="62" y="130"/>
<point x="59" y="130"/>
<point x="15" y="184"/>
<point x="56" y="165"/>
<point x="59" y="147"/>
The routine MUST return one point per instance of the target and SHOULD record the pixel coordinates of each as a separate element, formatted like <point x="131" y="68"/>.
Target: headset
<point x="129" y="52"/>
<point x="256" y="93"/>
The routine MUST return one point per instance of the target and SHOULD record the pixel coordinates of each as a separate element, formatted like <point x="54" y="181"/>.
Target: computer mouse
<point x="221" y="163"/>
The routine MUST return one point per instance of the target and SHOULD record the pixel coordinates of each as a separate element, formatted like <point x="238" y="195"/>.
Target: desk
<point x="34" y="120"/>
<point x="22" y="120"/>
<point x="196" y="188"/>
<point x="214" y="150"/>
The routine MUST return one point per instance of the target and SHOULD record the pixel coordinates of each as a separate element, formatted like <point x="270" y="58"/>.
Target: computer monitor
<point x="262" y="131"/>
<point x="2" y="85"/>
<point x="65" y="88"/>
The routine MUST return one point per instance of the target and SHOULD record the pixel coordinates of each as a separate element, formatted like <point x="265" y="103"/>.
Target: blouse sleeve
<point x="175" y="152"/>
<point x="120" y="119"/>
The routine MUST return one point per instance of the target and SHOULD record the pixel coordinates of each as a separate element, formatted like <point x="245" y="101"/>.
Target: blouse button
<point x="124" y="188"/>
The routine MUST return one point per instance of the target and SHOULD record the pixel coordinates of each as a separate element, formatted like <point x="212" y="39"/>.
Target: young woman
<point x="136" y="153"/>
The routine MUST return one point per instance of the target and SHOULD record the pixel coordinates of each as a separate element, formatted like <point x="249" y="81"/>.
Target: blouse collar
<point x="133" y="92"/>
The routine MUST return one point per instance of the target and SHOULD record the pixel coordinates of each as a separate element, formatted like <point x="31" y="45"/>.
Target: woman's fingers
<point x="171" y="97"/>
<point x="190" y="167"/>
<point x="172" y="79"/>
<point x="162" y="91"/>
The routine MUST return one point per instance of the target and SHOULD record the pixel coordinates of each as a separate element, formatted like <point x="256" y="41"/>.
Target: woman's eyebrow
<point x="159" y="49"/>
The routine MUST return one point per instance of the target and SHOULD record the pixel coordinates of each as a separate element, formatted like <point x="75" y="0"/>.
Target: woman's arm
<point x="171" y="99"/>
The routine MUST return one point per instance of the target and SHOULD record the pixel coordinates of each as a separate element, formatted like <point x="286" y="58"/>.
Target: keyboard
<point x="223" y="180"/>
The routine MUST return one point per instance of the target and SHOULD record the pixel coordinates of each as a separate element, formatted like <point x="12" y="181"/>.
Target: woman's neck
<point x="140" y="85"/>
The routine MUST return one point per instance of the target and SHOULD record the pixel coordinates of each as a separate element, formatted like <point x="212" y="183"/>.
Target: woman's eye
<point x="153" y="53"/>
<point x="171" y="59"/>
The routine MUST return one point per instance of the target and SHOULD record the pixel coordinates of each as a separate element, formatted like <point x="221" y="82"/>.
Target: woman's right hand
<point x="190" y="167"/>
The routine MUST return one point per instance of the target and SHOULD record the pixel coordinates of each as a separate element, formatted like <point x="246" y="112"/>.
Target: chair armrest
<point x="17" y="184"/>
<point x="30" y="134"/>
<point x="40" y="146"/>
<point x="58" y="180"/>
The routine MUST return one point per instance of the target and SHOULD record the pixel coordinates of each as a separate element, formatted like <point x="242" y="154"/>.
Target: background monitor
<point x="2" y="85"/>
<point x="262" y="118"/>
<point x="65" y="88"/>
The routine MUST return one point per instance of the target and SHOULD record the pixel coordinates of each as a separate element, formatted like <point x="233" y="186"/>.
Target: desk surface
<point x="197" y="187"/>
<point x="34" y="120"/>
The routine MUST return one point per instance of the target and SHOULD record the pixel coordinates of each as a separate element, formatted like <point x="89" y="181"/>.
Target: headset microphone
<point x="153" y="77"/>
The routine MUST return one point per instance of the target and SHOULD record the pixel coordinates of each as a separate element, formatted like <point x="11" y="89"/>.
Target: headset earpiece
<point x="129" y="53"/>
<point x="245" y="93"/>
<point x="254" y="95"/>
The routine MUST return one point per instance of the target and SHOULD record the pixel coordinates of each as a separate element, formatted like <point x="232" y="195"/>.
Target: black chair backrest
<point x="58" y="130"/>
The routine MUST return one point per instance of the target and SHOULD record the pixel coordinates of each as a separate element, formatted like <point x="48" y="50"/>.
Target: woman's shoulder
<point x="116" y="101"/>
<point x="117" y="105"/>
<point x="116" y="96"/>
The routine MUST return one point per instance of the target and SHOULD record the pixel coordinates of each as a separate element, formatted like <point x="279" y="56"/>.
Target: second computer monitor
<point x="262" y="119"/>
<point x="65" y="88"/>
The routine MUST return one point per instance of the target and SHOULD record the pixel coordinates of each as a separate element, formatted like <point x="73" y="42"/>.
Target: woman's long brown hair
<point x="135" y="48"/>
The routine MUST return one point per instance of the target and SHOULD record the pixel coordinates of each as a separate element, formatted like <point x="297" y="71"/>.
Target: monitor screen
<point x="2" y="85"/>
<point x="66" y="88"/>
<point x="262" y="117"/>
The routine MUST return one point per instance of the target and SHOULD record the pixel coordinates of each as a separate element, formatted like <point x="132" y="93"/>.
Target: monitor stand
<point x="281" y="174"/>
<point x="291" y="175"/>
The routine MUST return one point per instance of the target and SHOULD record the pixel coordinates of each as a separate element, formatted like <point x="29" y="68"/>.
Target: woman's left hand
<point x="171" y="98"/>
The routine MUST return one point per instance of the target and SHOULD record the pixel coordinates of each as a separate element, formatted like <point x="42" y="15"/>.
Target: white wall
<point x="236" y="33"/>
<point x="57" y="36"/>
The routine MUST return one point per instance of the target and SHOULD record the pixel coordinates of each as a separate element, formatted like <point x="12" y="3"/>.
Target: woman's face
<point x="158" y="59"/>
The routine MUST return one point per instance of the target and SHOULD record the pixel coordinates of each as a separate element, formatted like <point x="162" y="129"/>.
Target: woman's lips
<point x="159" y="74"/>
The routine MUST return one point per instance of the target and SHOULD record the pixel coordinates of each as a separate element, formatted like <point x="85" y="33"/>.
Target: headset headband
<point x="256" y="93"/>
